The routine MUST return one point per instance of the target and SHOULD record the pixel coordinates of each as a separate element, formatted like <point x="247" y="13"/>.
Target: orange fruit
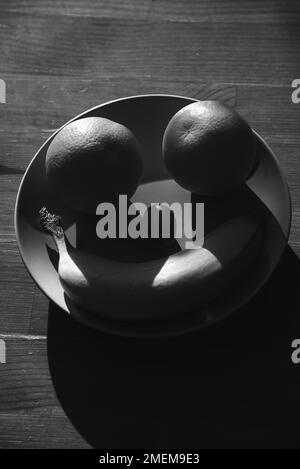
<point x="209" y="148"/>
<point x="93" y="160"/>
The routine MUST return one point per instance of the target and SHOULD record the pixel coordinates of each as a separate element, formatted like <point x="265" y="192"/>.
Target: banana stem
<point x="51" y="223"/>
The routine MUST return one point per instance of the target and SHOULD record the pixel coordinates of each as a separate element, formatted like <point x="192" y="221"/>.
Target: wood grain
<point x="101" y="47"/>
<point x="164" y="10"/>
<point x="30" y="412"/>
<point x="39" y="429"/>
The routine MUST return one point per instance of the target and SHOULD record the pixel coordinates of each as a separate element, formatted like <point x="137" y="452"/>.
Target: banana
<point x="182" y="282"/>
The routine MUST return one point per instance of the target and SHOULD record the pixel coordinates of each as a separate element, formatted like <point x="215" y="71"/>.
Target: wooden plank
<point x="25" y="374"/>
<point x="9" y="184"/>
<point x="16" y="292"/>
<point x="101" y="47"/>
<point x="39" y="429"/>
<point x="163" y="10"/>
<point x="30" y="412"/>
<point x="16" y="295"/>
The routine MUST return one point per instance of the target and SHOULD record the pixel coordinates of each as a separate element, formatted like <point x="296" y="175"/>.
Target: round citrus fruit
<point x="93" y="160"/>
<point x="209" y="148"/>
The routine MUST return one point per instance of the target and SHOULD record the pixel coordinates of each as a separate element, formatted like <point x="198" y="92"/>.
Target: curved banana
<point x="156" y="289"/>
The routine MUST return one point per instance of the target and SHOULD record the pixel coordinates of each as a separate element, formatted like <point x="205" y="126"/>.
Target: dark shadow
<point x="53" y="256"/>
<point x="232" y="385"/>
<point x="220" y="209"/>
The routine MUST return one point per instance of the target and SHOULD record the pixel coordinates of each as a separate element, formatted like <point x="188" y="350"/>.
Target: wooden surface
<point x="66" y="386"/>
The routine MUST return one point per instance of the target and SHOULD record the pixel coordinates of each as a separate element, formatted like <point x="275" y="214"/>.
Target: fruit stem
<point x="51" y="223"/>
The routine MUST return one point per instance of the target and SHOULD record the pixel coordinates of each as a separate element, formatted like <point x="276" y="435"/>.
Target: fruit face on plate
<point x="154" y="287"/>
<point x="208" y="148"/>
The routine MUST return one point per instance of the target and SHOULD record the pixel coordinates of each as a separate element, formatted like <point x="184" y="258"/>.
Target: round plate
<point x="147" y="116"/>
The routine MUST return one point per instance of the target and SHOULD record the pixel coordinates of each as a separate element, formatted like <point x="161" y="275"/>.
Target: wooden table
<point x="69" y="387"/>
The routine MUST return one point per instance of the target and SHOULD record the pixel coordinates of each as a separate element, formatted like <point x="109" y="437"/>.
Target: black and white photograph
<point x="149" y="227"/>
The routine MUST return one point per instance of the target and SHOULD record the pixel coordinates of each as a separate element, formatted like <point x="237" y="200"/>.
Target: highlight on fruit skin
<point x="93" y="160"/>
<point x="162" y="288"/>
<point x="208" y="148"/>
